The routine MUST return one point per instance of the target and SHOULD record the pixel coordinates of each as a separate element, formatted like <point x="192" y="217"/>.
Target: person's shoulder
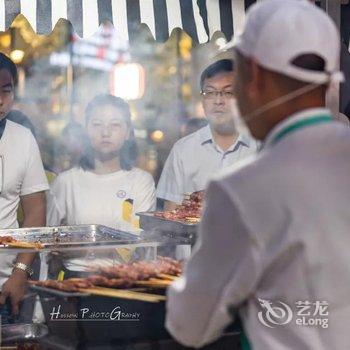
<point x="68" y="175"/>
<point x="19" y="129"/>
<point x="140" y="174"/>
<point x="191" y="139"/>
<point x="249" y="173"/>
<point x="243" y="168"/>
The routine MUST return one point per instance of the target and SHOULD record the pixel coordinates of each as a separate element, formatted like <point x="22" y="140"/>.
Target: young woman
<point x="106" y="188"/>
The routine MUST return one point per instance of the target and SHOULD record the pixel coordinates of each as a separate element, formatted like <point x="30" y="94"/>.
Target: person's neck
<point x="224" y="141"/>
<point x="284" y="111"/>
<point x="106" y="166"/>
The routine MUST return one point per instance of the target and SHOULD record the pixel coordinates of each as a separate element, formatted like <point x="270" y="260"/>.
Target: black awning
<point x="198" y="18"/>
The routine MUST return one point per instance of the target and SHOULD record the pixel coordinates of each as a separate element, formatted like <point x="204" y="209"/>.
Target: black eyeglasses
<point x="212" y="94"/>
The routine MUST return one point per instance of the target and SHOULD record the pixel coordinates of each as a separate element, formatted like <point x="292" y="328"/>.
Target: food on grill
<point x="102" y="281"/>
<point x="190" y="210"/>
<point x="69" y="285"/>
<point x="158" y="273"/>
<point x="6" y="239"/>
<point x="170" y="266"/>
<point x="9" y="241"/>
<point x="143" y="270"/>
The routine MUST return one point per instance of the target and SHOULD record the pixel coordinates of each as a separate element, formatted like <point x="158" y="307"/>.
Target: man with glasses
<point x="22" y="180"/>
<point x="196" y="157"/>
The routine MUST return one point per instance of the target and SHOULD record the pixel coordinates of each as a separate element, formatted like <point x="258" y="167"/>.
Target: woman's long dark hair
<point x="128" y="152"/>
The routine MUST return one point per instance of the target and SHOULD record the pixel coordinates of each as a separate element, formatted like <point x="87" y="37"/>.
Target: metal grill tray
<point x="148" y="221"/>
<point x="78" y="236"/>
<point x="23" y="332"/>
<point x="57" y="292"/>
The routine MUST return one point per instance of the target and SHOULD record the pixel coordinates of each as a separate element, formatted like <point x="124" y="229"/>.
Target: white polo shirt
<point x="276" y="228"/>
<point x="194" y="159"/>
<point x="21" y="173"/>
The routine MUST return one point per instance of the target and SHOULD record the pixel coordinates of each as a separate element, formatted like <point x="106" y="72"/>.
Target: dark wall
<point x="345" y="60"/>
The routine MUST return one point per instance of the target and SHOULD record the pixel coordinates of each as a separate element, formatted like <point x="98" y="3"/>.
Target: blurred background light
<point x="128" y="81"/>
<point x="157" y="136"/>
<point x="17" y="56"/>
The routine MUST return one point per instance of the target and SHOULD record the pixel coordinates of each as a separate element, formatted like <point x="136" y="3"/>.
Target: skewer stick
<point x="24" y="245"/>
<point x="154" y="283"/>
<point x="123" y="294"/>
<point x="167" y="277"/>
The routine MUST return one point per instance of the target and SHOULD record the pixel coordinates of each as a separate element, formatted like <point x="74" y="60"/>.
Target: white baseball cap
<point x="278" y="31"/>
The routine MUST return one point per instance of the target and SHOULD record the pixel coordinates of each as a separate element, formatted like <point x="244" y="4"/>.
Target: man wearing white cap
<point x="274" y="240"/>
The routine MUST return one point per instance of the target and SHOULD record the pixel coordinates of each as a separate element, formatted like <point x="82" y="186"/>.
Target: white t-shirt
<point x="21" y="173"/>
<point x="83" y="197"/>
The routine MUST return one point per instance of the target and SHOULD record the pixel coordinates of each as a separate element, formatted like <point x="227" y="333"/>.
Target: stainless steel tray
<point x="23" y="332"/>
<point x="71" y="236"/>
<point x="159" y="238"/>
<point x="56" y="292"/>
<point x="148" y="221"/>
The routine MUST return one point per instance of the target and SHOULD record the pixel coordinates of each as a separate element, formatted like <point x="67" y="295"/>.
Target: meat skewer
<point x="190" y="210"/>
<point x="9" y="241"/>
<point x="153" y="274"/>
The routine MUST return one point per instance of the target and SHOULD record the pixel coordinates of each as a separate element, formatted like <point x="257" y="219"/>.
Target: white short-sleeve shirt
<point x="21" y="173"/>
<point x="83" y="197"/>
<point x="194" y="159"/>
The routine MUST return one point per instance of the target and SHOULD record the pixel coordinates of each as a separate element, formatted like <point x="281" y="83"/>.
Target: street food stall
<point x="109" y="304"/>
<point x="118" y="304"/>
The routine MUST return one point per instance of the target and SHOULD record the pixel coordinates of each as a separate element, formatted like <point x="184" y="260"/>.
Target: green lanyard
<point x="300" y="125"/>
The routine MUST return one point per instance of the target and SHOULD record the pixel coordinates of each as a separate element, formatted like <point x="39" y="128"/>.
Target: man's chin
<point x="224" y="129"/>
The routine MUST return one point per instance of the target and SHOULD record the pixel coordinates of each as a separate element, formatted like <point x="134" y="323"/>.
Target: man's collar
<point x="206" y="136"/>
<point x="305" y="114"/>
<point x="245" y="140"/>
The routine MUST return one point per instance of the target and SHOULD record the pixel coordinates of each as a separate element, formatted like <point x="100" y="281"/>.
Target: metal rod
<point x="333" y="8"/>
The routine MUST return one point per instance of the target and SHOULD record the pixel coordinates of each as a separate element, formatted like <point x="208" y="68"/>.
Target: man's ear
<point x="255" y="79"/>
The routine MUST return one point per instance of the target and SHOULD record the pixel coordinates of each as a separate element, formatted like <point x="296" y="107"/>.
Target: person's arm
<point x="34" y="209"/>
<point x="33" y="206"/>
<point x="221" y="273"/>
<point x="172" y="183"/>
<point x="144" y="194"/>
<point x="56" y="203"/>
<point x="168" y="205"/>
<point x="32" y="197"/>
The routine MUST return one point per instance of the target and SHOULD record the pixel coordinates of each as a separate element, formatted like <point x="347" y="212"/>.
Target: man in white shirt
<point x="274" y="240"/>
<point x="196" y="157"/>
<point x="22" y="179"/>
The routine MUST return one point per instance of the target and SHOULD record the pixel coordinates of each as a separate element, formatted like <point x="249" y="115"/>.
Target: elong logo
<point x="308" y="313"/>
<point x="274" y="315"/>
